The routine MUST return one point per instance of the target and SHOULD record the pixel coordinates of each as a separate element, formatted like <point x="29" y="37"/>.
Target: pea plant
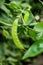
<point x="21" y="36"/>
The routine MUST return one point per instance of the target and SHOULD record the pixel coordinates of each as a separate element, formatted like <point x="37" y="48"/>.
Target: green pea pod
<point x="28" y="18"/>
<point x="5" y="33"/>
<point x="15" y="36"/>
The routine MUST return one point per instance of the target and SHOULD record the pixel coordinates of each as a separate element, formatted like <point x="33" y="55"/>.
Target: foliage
<point x="21" y="36"/>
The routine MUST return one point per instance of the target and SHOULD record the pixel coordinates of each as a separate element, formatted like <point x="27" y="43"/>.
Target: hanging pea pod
<point x="25" y="20"/>
<point x="15" y="36"/>
<point x="28" y="18"/>
<point x="5" y="33"/>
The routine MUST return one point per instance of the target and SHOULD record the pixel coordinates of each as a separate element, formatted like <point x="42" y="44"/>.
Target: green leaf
<point x="4" y="8"/>
<point x="14" y="5"/>
<point x="32" y="34"/>
<point x="34" y="50"/>
<point x="39" y="27"/>
<point x="16" y="40"/>
<point x="12" y="59"/>
<point x="5" y="18"/>
<point x="39" y="36"/>
<point x="1" y="2"/>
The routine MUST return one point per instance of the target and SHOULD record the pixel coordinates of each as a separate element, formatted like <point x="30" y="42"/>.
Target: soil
<point x="38" y="60"/>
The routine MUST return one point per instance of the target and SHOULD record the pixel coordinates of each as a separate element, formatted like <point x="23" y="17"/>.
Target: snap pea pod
<point x="28" y="18"/>
<point x="16" y="40"/>
<point x="5" y="33"/>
